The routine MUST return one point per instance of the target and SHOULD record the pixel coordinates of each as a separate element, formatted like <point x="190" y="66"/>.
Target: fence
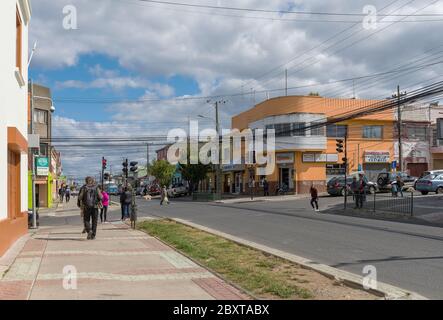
<point x="385" y="202"/>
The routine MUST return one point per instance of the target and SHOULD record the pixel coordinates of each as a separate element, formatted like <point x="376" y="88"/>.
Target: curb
<point x="384" y="290"/>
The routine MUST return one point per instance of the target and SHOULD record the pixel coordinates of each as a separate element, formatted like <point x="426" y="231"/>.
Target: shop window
<point x="335" y="169"/>
<point x="336" y="131"/>
<point x="372" y="132"/>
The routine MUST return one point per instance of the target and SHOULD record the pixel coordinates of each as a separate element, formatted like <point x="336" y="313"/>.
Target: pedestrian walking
<point x="361" y="191"/>
<point x="354" y="190"/>
<point x="400" y="185"/>
<point x="164" y="196"/>
<point x="104" y="209"/>
<point x="68" y="194"/>
<point x="90" y="198"/>
<point x="265" y="188"/>
<point x="61" y="193"/>
<point x="126" y="201"/>
<point x="314" y="198"/>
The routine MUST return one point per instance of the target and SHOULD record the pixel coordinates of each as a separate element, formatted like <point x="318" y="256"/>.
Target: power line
<point x="183" y="4"/>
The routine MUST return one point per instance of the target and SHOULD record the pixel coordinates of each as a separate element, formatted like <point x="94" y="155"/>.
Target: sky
<point x="123" y="67"/>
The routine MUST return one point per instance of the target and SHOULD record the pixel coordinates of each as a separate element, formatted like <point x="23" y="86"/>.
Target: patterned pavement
<point x="59" y="263"/>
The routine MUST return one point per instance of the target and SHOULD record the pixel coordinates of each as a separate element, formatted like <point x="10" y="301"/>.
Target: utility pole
<point x="147" y="156"/>
<point x="217" y="124"/>
<point x="399" y="125"/>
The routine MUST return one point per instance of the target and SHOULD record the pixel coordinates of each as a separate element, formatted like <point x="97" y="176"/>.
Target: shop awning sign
<point x="377" y="157"/>
<point x="42" y="166"/>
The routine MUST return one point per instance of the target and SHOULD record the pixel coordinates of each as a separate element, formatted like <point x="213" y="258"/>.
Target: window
<point x="336" y="131"/>
<point x="40" y="116"/>
<point x="419" y="133"/>
<point x="282" y="129"/>
<point x="18" y="48"/>
<point x="43" y="149"/>
<point x="298" y="129"/>
<point x="373" y="132"/>
<point x="317" y="131"/>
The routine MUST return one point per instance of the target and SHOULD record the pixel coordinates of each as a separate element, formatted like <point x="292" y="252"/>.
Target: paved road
<point x="405" y="255"/>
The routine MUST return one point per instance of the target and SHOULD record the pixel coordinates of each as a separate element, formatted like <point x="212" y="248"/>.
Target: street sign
<point x="42" y="166"/>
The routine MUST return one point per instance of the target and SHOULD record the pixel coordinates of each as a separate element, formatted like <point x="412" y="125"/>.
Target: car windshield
<point x="430" y="177"/>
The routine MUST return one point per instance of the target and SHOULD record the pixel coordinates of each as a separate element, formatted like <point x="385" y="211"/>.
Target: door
<point x="13" y="184"/>
<point x="416" y="169"/>
<point x="238" y="182"/>
<point x="284" y="177"/>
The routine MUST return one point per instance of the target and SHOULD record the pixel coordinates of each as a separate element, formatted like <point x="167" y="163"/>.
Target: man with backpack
<point x="89" y="200"/>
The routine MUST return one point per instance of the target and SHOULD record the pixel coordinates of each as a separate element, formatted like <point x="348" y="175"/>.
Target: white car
<point x="177" y="190"/>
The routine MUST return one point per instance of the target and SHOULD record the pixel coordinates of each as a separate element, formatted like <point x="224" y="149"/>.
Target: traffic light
<point x="339" y="145"/>
<point x="125" y="167"/>
<point x="134" y="167"/>
<point x="104" y="163"/>
<point x="107" y="176"/>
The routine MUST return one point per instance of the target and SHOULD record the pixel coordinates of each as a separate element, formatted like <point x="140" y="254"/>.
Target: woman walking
<point x="104" y="210"/>
<point x="314" y="198"/>
<point x="164" y="196"/>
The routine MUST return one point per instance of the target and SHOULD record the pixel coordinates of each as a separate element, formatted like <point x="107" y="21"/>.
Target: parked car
<point x="430" y="183"/>
<point x="336" y="186"/>
<point x="427" y="173"/>
<point x="154" y="190"/>
<point x="177" y="190"/>
<point x="385" y="179"/>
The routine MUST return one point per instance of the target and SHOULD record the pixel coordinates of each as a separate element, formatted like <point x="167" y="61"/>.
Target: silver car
<point x="430" y="183"/>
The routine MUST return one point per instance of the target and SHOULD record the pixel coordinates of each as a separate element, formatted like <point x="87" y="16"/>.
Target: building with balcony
<point x="13" y="121"/>
<point x="307" y="156"/>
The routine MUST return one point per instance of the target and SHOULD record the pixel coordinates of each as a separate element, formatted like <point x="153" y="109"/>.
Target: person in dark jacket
<point x="314" y="198"/>
<point x="89" y="200"/>
<point x="125" y="202"/>
<point x="265" y="187"/>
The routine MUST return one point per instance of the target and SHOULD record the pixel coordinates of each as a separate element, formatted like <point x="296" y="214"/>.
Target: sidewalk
<point x="120" y="264"/>
<point x="245" y="198"/>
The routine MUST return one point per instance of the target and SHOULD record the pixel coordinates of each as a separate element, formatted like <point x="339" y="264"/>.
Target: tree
<point x="194" y="173"/>
<point x="314" y="94"/>
<point x="163" y="171"/>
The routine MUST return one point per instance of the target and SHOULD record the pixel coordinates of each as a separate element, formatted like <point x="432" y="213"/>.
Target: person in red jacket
<point x="314" y="198"/>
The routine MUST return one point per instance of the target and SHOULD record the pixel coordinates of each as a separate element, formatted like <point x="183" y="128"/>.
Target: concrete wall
<point x="13" y="99"/>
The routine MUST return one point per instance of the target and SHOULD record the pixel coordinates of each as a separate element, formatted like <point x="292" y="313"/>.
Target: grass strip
<point x="261" y="274"/>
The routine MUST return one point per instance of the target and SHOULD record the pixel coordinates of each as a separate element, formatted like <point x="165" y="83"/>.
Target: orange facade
<point x="370" y="143"/>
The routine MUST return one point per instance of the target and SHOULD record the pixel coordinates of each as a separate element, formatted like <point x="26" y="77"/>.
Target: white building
<point x="14" y="22"/>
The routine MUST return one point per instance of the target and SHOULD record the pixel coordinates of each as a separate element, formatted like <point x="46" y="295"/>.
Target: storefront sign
<point x="233" y="167"/>
<point x="282" y="158"/>
<point x="320" y="157"/>
<point x="42" y="166"/>
<point x="377" y="157"/>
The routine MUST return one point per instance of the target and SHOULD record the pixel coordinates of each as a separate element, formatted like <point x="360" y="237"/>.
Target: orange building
<point x="308" y="156"/>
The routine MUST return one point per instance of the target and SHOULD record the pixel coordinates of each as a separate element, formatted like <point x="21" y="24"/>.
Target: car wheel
<point x="371" y="190"/>
<point x="424" y="193"/>
<point x="439" y="190"/>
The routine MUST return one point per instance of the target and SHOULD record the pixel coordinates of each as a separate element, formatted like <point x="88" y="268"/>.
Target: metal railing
<point x="402" y="204"/>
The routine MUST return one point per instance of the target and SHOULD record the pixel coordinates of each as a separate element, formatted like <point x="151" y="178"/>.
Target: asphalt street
<point x="406" y="255"/>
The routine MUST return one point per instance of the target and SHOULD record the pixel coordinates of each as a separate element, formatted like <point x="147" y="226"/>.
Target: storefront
<point x="233" y="180"/>
<point x="286" y="171"/>
<point x="375" y="162"/>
